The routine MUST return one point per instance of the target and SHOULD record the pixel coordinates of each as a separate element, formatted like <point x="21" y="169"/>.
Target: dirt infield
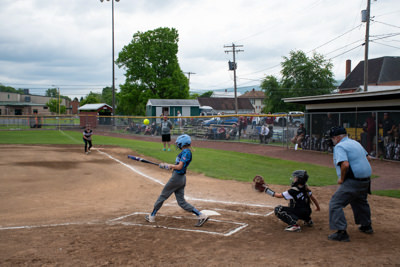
<point x="60" y="207"/>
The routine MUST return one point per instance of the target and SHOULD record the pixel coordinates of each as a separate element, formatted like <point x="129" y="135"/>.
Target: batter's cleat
<point x="169" y="149"/>
<point x="293" y="228"/>
<point x="150" y="218"/>
<point x="366" y="229"/>
<point x="164" y="149"/>
<point x="203" y="218"/>
<point x="87" y="153"/>
<point x="340" y="236"/>
<point x="310" y="223"/>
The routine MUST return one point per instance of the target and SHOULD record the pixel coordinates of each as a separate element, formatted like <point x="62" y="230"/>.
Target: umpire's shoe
<point x="340" y="236"/>
<point x="366" y="229"/>
<point x="202" y="220"/>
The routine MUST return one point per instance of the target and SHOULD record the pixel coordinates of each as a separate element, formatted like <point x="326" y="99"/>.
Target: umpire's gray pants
<point x="351" y="192"/>
<point x="176" y="184"/>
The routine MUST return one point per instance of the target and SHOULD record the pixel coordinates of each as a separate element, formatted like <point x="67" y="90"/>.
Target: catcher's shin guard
<point x="281" y="213"/>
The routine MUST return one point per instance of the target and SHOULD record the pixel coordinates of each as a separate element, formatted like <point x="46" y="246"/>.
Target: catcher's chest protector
<point x="300" y="198"/>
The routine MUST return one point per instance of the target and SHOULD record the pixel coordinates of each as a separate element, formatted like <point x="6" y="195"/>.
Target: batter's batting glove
<point x="164" y="166"/>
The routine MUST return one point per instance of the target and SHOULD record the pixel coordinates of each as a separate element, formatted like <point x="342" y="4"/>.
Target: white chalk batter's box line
<point x="227" y="210"/>
<point x="236" y="228"/>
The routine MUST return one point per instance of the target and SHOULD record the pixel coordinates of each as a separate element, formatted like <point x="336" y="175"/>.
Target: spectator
<point x="329" y="122"/>
<point x="211" y="132"/>
<point x="179" y="120"/>
<point x="221" y="134"/>
<point x="298" y="138"/>
<point x="270" y="119"/>
<point x="351" y="161"/>
<point x="232" y="133"/>
<point x="242" y="126"/>
<point x="388" y="127"/>
<point x="263" y="134"/>
<point x="371" y="133"/>
<point x="166" y="127"/>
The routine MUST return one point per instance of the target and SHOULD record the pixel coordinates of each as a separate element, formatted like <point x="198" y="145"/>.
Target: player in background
<point x="166" y="127"/>
<point x="87" y="138"/>
<point x="177" y="182"/>
<point x="300" y="197"/>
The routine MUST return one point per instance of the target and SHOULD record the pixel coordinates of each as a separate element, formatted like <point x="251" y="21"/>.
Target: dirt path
<point x="60" y="207"/>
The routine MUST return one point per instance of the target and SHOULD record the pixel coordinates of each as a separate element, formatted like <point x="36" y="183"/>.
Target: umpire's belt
<point x="361" y="179"/>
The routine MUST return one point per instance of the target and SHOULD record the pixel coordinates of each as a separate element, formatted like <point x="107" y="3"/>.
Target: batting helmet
<point x="183" y="140"/>
<point x="302" y="176"/>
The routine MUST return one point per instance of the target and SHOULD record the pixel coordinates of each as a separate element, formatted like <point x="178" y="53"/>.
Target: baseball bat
<point x="142" y="160"/>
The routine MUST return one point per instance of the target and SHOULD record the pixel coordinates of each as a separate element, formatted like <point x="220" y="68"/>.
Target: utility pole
<point x="367" y="20"/>
<point x="233" y="66"/>
<point x="188" y="74"/>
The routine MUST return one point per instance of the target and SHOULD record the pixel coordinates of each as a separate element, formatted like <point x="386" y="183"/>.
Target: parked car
<point x="212" y="121"/>
<point x="280" y="119"/>
<point x="296" y="117"/>
<point x="224" y="121"/>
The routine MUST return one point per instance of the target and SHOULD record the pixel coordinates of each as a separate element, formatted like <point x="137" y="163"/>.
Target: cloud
<point x="68" y="42"/>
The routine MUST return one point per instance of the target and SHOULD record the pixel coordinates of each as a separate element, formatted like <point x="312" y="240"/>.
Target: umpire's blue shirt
<point x="352" y="151"/>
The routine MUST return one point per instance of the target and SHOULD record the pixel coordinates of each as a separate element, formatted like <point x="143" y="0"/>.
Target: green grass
<point x="211" y="162"/>
<point x="387" y="193"/>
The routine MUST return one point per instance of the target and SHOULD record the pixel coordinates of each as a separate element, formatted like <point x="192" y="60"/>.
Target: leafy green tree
<point x="273" y="95"/>
<point x="107" y="96"/>
<point x="53" y="92"/>
<point x="54" y="106"/>
<point x="152" y="70"/>
<point x="91" y="98"/>
<point x="10" y="89"/>
<point x="301" y="76"/>
<point x="206" y="94"/>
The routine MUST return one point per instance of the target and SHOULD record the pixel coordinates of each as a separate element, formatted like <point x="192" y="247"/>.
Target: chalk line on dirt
<point x="187" y="197"/>
<point x="236" y="228"/>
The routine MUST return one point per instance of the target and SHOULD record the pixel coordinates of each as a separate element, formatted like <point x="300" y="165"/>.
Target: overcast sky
<point x="67" y="43"/>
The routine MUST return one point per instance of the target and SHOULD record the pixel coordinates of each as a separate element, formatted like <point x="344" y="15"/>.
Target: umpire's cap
<point x="335" y="131"/>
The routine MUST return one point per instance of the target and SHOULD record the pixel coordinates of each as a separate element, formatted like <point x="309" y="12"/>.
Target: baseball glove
<point x="259" y="183"/>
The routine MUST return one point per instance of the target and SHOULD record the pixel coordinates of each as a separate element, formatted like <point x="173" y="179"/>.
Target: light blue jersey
<point x="352" y="151"/>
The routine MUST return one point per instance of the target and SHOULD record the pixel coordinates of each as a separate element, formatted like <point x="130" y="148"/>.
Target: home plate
<point x="210" y="212"/>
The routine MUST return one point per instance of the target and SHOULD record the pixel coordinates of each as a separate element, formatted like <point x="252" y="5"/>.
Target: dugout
<point x="95" y="114"/>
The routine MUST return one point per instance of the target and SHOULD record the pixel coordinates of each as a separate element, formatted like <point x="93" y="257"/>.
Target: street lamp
<point x="113" y="64"/>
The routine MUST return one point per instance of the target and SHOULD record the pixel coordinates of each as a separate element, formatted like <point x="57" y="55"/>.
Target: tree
<point x="53" y="92"/>
<point x="54" y="106"/>
<point x="91" y="98"/>
<point x="107" y="95"/>
<point x="10" y="89"/>
<point x="301" y="76"/>
<point x="206" y="94"/>
<point x="152" y="70"/>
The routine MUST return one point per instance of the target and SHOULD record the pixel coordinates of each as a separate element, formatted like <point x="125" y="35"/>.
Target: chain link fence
<point x="377" y="131"/>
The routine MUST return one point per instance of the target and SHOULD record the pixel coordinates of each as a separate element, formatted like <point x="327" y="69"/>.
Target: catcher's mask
<point x="183" y="140"/>
<point x="302" y="177"/>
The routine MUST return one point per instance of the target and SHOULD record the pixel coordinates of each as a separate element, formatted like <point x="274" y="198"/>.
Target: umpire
<point x="353" y="170"/>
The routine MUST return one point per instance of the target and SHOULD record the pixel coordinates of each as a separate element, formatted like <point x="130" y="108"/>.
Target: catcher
<point x="300" y="197"/>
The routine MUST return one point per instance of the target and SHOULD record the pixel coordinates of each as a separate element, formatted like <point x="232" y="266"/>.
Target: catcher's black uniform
<point x="299" y="207"/>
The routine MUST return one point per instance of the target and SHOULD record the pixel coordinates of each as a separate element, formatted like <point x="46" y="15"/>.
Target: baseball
<point x="146" y="121"/>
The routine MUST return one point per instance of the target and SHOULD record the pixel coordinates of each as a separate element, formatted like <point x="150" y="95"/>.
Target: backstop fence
<point x="377" y="131"/>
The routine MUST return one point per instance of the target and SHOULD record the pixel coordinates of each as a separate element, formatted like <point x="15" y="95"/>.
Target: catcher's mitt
<point x="259" y="183"/>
